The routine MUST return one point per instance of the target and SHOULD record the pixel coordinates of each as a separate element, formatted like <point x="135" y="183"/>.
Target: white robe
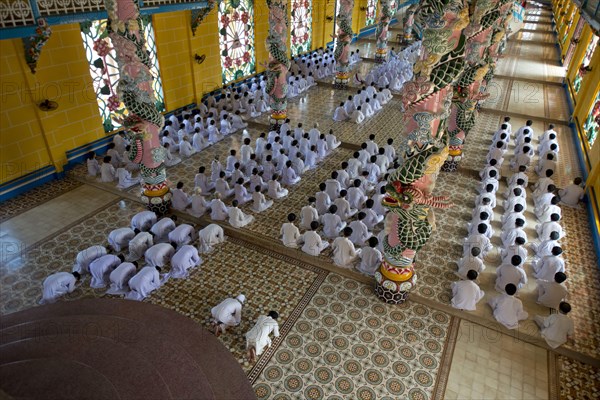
<point x="143" y="283"/>
<point x="468" y="263"/>
<point x="181" y="200"/>
<point x="259" y="202"/>
<point x="466" y="295"/>
<point x="313" y="244"/>
<point x="323" y="202"/>
<point x="357" y="117"/>
<point x="258" y="336"/>
<point x="186" y="257"/>
<point x="228" y="312"/>
<point x="162" y="228"/>
<point x="548" y="266"/>
<point x="308" y="214"/>
<point x="119" y="238"/>
<point x="360" y="233"/>
<point x="275" y="191"/>
<point x="182" y="235"/>
<point x="138" y="246"/>
<point x="551" y="293"/>
<point x="241" y="194"/>
<point x="57" y="285"/>
<point x="290" y="235"/>
<point x="508" y="310"/>
<point x="159" y="254"/>
<point x="119" y="278"/>
<point x="218" y="210"/>
<point x="332" y="225"/>
<point x="571" y="195"/>
<point x="344" y="253"/>
<point x="199" y="206"/>
<point x="125" y="179"/>
<point x="107" y="173"/>
<point x="85" y="257"/>
<point x="508" y="273"/>
<point x="186" y="149"/>
<point x="238" y="219"/>
<point x="210" y="236"/>
<point x="555" y="329"/>
<point x="101" y="268"/>
<point x="370" y="259"/>
<point x="93" y="167"/>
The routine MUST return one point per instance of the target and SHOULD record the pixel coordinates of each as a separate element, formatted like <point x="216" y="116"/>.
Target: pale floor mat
<point x="24" y="230"/>
<point x="491" y="365"/>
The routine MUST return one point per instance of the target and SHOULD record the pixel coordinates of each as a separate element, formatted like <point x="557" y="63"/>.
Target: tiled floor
<point x="337" y="340"/>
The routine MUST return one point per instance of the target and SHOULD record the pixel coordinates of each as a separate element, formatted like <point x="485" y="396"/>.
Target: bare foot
<point x="252" y="354"/>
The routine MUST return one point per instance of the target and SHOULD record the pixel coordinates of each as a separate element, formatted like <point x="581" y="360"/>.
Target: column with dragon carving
<point x="426" y="101"/>
<point x="381" y="32"/>
<point x="135" y="90"/>
<point x="343" y="38"/>
<point x="408" y="22"/>
<point x="470" y="91"/>
<point x="279" y="64"/>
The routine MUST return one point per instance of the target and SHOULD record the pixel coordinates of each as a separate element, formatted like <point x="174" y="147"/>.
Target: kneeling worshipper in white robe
<point x="237" y="218"/>
<point x="226" y="314"/>
<point x="85" y="257"/>
<point x="210" y="236"/>
<point x="340" y="113"/>
<point x="275" y="191"/>
<point x="290" y="234"/>
<point x="92" y="164"/>
<point x="556" y="329"/>
<point x="313" y="244"/>
<point x="507" y="309"/>
<point x="548" y="266"/>
<point x="170" y="159"/>
<point x="101" y="268"/>
<point x="182" y="235"/>
<point x="199" y="205"/>
<point x="218" y="210"/>
<point x="107" y="171"/>
<point x="143" y="283"/>
<point x="241" y="193"/>
<point x="466" y="293"/>
<point x="370" y="257"/>
<point x="143" y="221"/>
<point x="186" y="257"/>
<point x="259" y="202"/>
<point x="186" y="149"/>
<point x="57" y="285"/>
<point x="119" y="278"/>
<point x="572" y="194"/>
<point x="332" y="223"/>
<point x="159" y="254"/>
<point x="162" y="228"/>
<point x="552" y="293"/>
<point x="125" y="179"/>
<point x="120" y="238"/>
<point x="257" y="338"/>
<point x="470" y="262"/>
<point x="357" y="116"/>
<point x="511" y="273"/>
<point x="344" y="253"/>
<point x="181" y="200"/>
<point x="139" y="244"/>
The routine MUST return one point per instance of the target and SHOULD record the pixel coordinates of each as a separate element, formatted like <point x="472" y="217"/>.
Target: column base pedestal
<point x="160" y="204"/>
<point x="390" y="296"/>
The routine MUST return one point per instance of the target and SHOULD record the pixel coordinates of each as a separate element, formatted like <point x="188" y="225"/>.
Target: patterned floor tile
<point x="347" y="344"/>
<point x="578" y="380"/>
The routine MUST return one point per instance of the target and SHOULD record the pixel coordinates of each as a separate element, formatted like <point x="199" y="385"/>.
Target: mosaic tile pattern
<point x="583" y="281"/>
<point x="35" y="197"/>
<point x="347" y="344"/>
<point x="577" y="380"/>
<point x="256" y="273"/>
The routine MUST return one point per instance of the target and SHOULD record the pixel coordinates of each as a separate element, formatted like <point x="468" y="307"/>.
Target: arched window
<point x="301" y="26"/>
<point x="236" y="39"/>
<point x="371" y="12"/>
<point x="587" y="58"/>
<point x="592" y="122"/>
<point x="104" y="70"/>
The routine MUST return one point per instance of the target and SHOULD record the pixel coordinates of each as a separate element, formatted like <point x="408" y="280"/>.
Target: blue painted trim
<point x="27" y="182"/>
<point x="591" y="198"/>
<point x="78" y="155"/>
<point x="25" y="31"/>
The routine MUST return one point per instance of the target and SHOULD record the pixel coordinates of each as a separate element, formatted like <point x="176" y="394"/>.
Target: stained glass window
<point x="301" y="26"/>
<point x="587" y="58"/>
<point x="592" y="123"/>
<point x="371" y="12"/>
<point x="236" y="39"/>
<point x="105" y="72"/>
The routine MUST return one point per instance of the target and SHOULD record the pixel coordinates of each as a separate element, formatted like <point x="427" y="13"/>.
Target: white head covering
<point x="241" y="298"/>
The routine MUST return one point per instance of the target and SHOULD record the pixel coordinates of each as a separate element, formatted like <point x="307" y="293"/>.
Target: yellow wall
<point x="32" y="138"/>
